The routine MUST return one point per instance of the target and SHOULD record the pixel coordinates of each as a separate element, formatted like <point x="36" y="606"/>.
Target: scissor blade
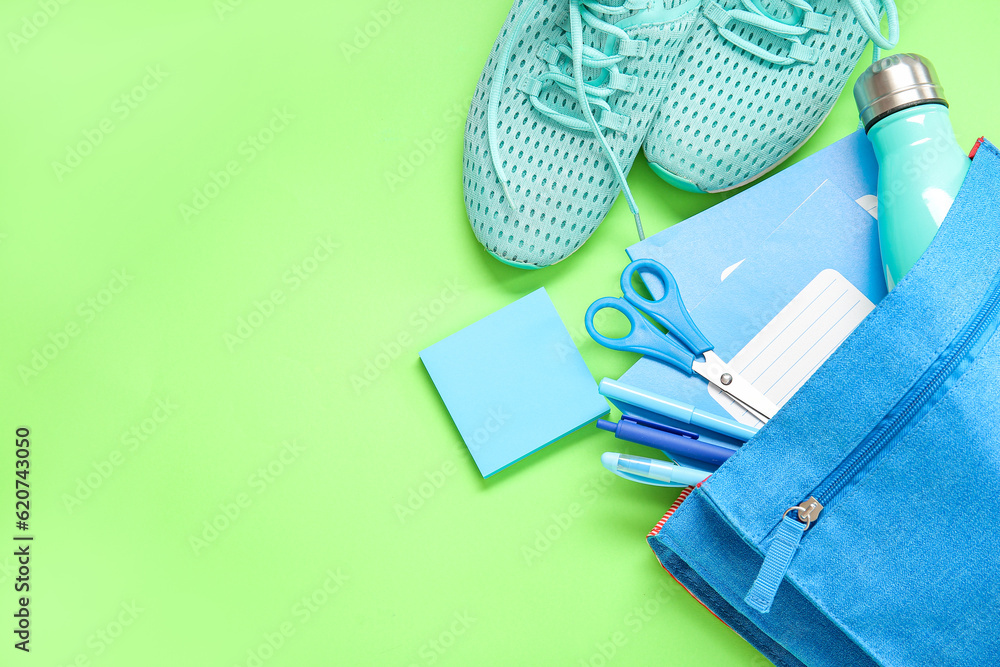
<point x="713" y="369"/>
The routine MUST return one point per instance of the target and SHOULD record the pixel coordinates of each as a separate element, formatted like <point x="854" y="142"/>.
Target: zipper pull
<point x="780" y="553"/>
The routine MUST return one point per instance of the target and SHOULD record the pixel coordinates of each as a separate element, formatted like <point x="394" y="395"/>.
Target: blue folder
<point x="700" y="248"/>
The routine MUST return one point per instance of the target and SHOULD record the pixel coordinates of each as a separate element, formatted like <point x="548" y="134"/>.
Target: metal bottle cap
<point x="895" y="83"/>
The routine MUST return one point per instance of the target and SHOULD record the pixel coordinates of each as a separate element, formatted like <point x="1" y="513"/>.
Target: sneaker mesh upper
<point x="729" y="116"/>
<point x="560" y="180"/>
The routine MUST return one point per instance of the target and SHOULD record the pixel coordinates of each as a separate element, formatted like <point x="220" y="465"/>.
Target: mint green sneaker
<point x="756" y="78"/>
<point x="564" y="102"/>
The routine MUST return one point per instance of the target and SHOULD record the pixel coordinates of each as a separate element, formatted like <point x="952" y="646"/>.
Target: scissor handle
<point x="642" y="337"/>
<point x="669" y="310"/>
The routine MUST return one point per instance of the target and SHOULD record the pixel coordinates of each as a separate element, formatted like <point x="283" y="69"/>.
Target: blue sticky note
<point x="513" y="382"/>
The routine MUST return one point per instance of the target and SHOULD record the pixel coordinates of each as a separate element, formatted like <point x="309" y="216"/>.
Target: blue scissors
<point x="684" y="347"/>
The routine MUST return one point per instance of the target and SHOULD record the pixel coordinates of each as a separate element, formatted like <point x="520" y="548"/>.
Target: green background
<point x="184" y="367"/>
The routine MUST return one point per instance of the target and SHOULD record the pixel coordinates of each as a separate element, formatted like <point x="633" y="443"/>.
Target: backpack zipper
<point x="950" y="365"/>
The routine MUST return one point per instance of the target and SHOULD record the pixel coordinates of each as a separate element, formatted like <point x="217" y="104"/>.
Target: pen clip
<point x="660" y="427"/>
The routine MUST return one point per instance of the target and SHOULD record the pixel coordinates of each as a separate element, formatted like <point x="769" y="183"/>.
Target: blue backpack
<point x="858" y="526"/>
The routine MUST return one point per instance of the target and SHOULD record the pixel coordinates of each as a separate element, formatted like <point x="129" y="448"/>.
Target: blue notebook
<point x="775" y="277"/>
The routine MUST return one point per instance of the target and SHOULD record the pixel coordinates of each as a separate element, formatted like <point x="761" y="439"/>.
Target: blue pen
<point x="682" y="412"/>
<point x="652" y="471"/>
<point x="673" y="441"/>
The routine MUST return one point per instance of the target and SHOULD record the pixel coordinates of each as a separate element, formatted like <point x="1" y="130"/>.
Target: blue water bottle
<point x="921" y="166"/>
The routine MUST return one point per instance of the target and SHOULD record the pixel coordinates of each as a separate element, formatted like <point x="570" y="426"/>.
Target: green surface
<point x="213" y="305"/>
